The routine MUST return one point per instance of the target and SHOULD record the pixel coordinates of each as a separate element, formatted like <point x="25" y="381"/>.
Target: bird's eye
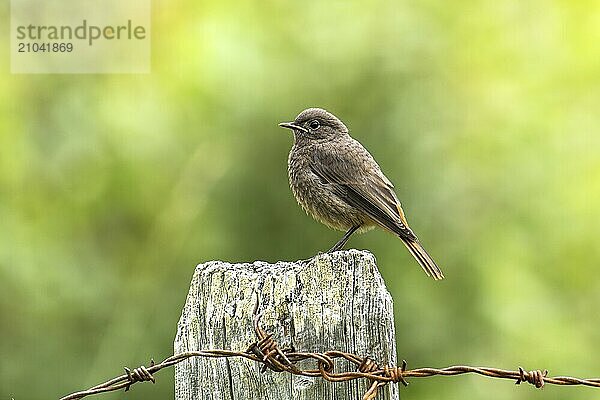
<point x="314" y="124"/>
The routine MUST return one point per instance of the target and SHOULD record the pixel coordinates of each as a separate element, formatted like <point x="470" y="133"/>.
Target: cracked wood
<point x="333" y="301"/>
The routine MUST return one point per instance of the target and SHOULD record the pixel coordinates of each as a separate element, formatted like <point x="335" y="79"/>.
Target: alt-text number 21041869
<point x="44" y="47"/>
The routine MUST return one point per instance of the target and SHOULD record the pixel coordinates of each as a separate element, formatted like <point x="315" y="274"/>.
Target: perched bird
<point x="337" y="181"/>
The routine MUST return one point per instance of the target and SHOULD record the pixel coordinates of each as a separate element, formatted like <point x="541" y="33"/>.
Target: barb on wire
<point x="266" y="352"/>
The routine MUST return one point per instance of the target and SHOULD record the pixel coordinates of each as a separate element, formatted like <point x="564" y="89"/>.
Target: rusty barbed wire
<point x="266" y="351"/>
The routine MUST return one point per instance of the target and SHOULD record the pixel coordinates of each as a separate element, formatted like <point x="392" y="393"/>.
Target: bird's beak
<point x="293" y="126"/>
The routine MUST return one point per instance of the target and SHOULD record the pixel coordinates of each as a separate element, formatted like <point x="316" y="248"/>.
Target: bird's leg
<point x="339" y="245"/>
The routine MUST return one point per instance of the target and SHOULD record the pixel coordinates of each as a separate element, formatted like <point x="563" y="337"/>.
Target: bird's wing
<point x="357" y="179"/>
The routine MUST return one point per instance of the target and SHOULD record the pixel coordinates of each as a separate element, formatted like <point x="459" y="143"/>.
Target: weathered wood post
<point x="333" y="301"/>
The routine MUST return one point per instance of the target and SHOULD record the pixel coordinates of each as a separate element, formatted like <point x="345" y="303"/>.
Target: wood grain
<point x="333" y="301"/>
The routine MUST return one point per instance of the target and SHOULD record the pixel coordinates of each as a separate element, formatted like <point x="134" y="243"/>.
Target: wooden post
<point x="333" y="301"/>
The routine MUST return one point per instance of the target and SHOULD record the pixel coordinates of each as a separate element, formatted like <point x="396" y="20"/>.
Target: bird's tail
<point x="424" y="259"/>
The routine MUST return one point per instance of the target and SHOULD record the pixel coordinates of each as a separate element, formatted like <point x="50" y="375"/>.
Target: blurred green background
<point x="485" y="114"/>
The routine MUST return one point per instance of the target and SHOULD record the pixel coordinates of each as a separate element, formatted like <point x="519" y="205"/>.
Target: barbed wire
<point x="266" y="352"/>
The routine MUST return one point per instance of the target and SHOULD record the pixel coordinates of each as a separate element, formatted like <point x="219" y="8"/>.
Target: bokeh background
<point x="485" y="114"/>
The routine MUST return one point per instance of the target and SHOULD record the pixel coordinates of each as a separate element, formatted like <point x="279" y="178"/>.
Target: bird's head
<point x="316" y="123"/>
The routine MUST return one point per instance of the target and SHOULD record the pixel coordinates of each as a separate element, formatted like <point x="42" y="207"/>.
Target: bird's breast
<point x="317" y="196"/>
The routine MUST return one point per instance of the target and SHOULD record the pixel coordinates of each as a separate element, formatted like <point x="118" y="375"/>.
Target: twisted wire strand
<point x="267" y="352"/>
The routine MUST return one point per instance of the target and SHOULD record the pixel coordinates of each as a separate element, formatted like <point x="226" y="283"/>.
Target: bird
<point x="338" y="182"/>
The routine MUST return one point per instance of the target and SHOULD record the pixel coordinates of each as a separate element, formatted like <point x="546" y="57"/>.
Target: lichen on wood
<point x="334" y="301"/>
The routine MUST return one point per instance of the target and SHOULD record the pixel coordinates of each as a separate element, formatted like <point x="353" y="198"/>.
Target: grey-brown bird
<point x="337" y="181"/>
